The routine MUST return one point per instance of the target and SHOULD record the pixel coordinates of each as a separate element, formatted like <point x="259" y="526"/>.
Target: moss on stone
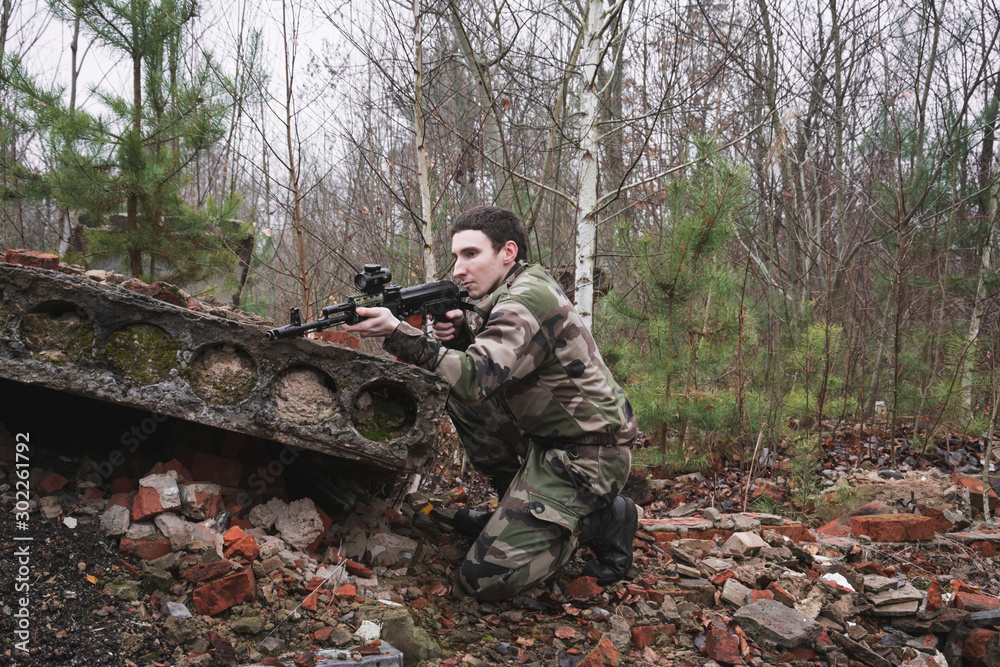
<point x="123" y="589"/>
<point x="380" y="415"/>
<point x="222" y="375"/>
<point x="143" y="353"/>
<point x="58" y="341"/>
<point x="227" y="387"/>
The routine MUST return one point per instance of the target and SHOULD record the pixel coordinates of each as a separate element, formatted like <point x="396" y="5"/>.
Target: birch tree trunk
<point x="424" y="227"/>
<point x="590" y="98"/>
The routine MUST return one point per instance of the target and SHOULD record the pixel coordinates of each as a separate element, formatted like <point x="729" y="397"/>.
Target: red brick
<point x="203" y="572"/>
<point x="781" y="595"/>
<point x="221" y="594"/>
<point x="720" y="578"/>
<point x="762" y="595"/>
<point x="160" y="291"/>
<point x="803" y="653"/>
<point x="973" y="602"/>
<point x="92" y="494"/>
<point x="796" y="532"/>
<point x="232" y="535"/>
<point x="604" y="655"/>
<point x="338" y="338"/>
<point x="871" y="567"/>
<point x="941" y="524"/>
<point x="123" y="499"/>
<point x="722" y="644"/>
<point x="647" y="635"/>
<point x="959" y="585"/>
<point x="146" y="504"/>
<point x="583" y="587"/>
<point x="245" y="548"/>
<point x="975" y="487"/>
<point x="327" y="522"/>
<point x="934" y="597"/>
<point x="893" y="527"/>
<point x="32" y="258"/>
<point x="356" y="569"/>
<point x="309" y="604"/>
<point x="123" y="485"/>
<point x="146" y="548"/>
<point x="51" y="483"/>
<point x="323" y="634"/>
<point x="218" y="469"/>
<point x="173" y="464"/>
<point x="240" y="523"/>
<point x="834" y="528"/>
<point x="983" y="548"/>
<point x="199" y="503"/>
<point x="305" y="660"/>
<point x="981" y="647"/>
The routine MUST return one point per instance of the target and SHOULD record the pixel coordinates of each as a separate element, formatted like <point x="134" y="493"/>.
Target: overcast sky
<point x="44" y="42"/>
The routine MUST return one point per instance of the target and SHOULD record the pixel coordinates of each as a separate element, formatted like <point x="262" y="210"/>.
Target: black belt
<point x="598" y="439"/>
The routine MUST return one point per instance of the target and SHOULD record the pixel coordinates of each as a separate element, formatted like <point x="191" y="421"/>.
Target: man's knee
<point x="486" y="581"/>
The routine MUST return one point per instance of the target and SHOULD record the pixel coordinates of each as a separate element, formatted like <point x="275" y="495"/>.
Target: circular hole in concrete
<point x="222" y="374"/>
<point x="144" y="353"/>
<point x="57" y="331"/>
<point x="304" y="395"/>
<point x="384" y="411"/>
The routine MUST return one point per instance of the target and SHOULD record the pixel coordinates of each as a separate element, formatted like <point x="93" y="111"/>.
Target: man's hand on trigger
<point x="444" y="330"/>
<point x="377" y="322"/>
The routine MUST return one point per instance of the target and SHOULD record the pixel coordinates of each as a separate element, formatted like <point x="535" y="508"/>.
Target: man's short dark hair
<point x="499" y="225"/>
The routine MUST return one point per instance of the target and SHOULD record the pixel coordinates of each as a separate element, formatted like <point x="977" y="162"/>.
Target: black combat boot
<point x="471" y="522"/>
<point x="609" y="533"/>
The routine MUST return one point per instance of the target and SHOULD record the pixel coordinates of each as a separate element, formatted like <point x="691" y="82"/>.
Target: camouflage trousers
<point x="536" y="527"/>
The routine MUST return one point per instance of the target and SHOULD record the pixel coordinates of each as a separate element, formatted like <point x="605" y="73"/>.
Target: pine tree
<point x="683" y="309"/>
<point x="137" y="157"/>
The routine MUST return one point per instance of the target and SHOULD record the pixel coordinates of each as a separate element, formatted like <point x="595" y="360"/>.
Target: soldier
<point x="536" y="409"/>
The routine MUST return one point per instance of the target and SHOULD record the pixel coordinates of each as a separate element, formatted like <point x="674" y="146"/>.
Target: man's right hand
<point x="444" y="330"/>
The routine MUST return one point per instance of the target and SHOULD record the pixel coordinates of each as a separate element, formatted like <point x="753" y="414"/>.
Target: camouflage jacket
<point x="533" y="354"/>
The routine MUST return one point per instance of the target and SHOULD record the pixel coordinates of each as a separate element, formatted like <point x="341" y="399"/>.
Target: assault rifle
<point x="374" y="291"/>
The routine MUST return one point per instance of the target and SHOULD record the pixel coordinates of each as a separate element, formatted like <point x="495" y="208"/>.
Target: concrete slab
<point x="69" y="333"/>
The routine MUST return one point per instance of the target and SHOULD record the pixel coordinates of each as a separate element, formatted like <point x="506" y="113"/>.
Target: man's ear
<point x="509" y="252"/>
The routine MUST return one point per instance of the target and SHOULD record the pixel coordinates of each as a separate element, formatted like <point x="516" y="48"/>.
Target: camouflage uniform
<point x="531" y="399"/>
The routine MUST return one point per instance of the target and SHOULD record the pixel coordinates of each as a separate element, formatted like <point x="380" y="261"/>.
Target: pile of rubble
<point x="228" y="578"/>
<point x="226" y="581"/>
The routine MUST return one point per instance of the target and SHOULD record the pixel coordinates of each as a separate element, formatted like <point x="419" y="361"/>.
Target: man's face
<point x="478" y="267"/>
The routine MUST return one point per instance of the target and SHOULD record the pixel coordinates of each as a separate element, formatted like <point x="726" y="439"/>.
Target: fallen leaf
<point x="91" y="578"/>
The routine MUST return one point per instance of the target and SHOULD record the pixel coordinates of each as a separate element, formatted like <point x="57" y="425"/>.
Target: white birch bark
<point x="586" y="226"/>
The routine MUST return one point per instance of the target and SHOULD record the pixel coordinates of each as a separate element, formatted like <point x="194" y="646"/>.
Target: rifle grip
<point x="415" y="320"/>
